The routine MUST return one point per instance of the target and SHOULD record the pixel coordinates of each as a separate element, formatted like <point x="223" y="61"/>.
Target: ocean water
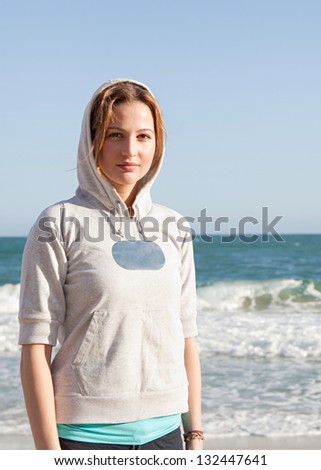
<point x="259" y="319"/>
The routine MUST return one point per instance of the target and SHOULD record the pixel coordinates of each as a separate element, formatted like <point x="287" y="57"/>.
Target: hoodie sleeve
<point x="188" y="293"/>
<point x="44" y="267"/>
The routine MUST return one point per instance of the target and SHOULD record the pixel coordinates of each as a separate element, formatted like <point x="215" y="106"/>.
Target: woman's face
<point x="129" y="146"/>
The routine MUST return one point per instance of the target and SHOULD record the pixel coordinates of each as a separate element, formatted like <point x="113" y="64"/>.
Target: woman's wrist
<point x="194" y="434"/>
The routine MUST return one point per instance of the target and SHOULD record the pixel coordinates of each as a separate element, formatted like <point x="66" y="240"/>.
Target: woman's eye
<point x="144" y="136"/>
<point x="114" y="135"/>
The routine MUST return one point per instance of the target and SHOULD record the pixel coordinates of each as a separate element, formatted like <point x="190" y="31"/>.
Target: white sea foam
<point x="14" y="420"/>
<point x="282" y="295"/>
<point x="9" y="298"/>
<point x="9" y="305"/>
<point x="259" y="422"/>
<point x="260" y="334"/>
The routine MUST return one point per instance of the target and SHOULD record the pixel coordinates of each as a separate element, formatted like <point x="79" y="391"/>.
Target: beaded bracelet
<point x="190" y="435"/>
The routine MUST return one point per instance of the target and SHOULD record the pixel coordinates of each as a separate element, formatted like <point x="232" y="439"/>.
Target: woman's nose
<point x="130" y="147"/>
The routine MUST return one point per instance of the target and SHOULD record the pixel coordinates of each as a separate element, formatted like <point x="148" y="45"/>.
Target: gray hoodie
<point x="118" y="294"/>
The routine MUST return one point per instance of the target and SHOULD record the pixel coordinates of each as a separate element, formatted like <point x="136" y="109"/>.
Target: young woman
<point x="110" y="275"/>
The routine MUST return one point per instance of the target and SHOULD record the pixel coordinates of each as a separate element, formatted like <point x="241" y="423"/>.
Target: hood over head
<point x="92" y="184"/>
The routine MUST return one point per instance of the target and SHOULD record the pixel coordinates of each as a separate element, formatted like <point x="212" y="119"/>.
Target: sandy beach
<point x="16" y="442"/>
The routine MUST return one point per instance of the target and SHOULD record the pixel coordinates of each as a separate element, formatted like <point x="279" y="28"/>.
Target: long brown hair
<point x="104" y="105"/>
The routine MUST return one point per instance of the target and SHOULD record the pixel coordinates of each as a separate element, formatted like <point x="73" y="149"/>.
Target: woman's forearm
<point x="193" y="419"/>
<point x="39" y="396"/>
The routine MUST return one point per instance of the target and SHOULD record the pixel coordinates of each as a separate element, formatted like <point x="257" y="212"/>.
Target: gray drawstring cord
<point x="139" y="225"/>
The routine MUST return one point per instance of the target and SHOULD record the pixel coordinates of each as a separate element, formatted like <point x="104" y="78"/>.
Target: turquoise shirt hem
<point x="133" y="433"/>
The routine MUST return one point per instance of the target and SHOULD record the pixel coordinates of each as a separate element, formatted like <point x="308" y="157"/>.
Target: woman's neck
<point x="128" y="196"/>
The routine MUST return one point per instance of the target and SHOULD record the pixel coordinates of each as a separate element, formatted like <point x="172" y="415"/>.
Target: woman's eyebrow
<point x="138" y="130"/>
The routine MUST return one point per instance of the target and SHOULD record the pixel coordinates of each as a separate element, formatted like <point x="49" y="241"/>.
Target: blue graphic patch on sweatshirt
<point x="138" y="254"/>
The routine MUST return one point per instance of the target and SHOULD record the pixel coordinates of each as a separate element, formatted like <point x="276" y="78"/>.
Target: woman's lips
<point x="128" y="166"/>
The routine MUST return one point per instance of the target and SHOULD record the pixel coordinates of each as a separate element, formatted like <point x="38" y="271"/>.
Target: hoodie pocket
<point x="129" y="352"/>
<point x="106" y="362"/>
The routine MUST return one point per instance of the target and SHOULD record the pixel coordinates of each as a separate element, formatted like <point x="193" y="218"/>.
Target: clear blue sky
<point x="238" y="82"/>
